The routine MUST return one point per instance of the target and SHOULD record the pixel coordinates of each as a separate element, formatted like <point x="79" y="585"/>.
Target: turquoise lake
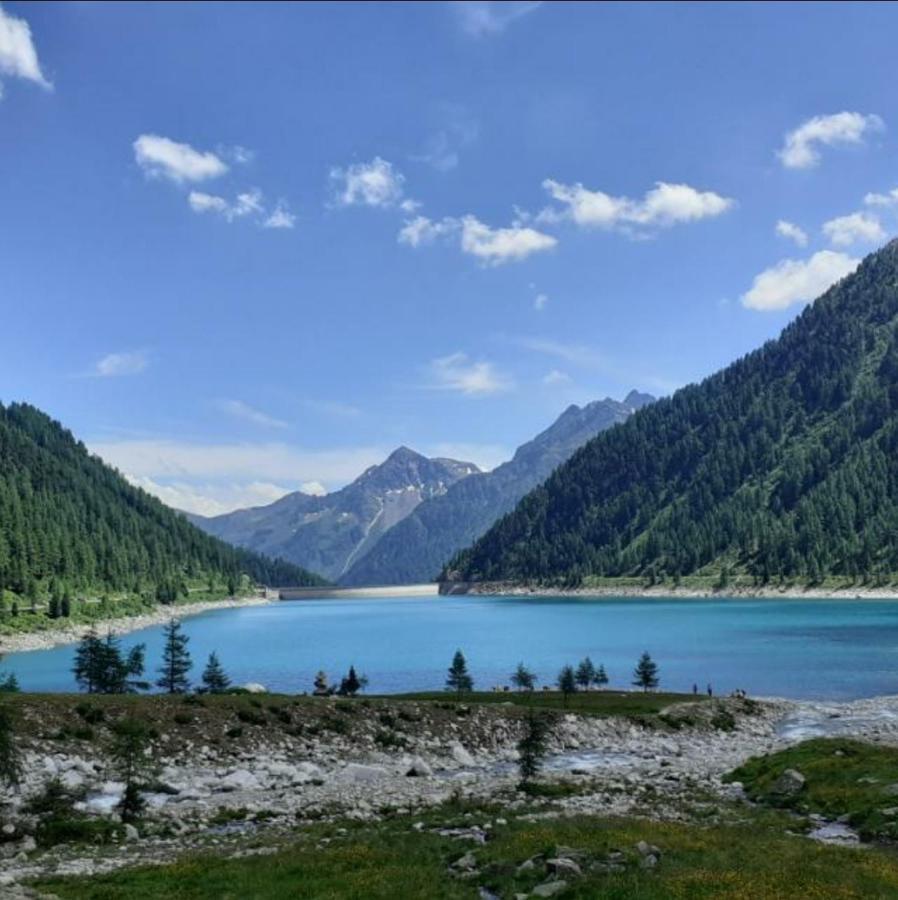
<point x="834" y="649"/>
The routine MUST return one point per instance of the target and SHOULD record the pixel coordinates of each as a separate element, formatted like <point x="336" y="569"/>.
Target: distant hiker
<point x="694" y="689"/>
<point x="710" y="691"/>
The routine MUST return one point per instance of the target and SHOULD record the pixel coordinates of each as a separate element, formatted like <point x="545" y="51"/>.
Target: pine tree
<point x="523" y="679"/>
<point x="459" y="679"/>
<point x="321" y="686"/>
<point x="645" y="675"/>
<point x="133" y="762"/>
<point x="585" y="673"/>
<point x="89" y="667"/>
<point x="176" y="662"/>
<point x="600" y="679"/>
<point x="215" y="681"/>
<point x="10" y="758"/>
<point x="567" y="683"/>
<point x="352" y="684"/>
<point x="533" y="745"/>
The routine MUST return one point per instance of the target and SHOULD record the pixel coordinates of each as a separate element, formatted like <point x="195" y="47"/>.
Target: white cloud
<point x="664" y="205"/>
<point x="280" y="217"/>
<point x="479" y="18"/>
<point x="240" y="410"/>
<point x="556" y="377"/>
<point x="211" y="478"/>
<point x="540" y="301"/>
<point x="161" y="157"/>
<point x="211" y="499"/>
<point x="115" y="364"/>
<point x="422" y="230"/>
<point x="847" y="230"/>
<point x="457" y="373"/>
<point x="375" y="183"/>
<point x="315" y="488"/>
<point x="890" y="199"/>
<point x="800" y="148"/>
<point x="494" y="246"/>
<point x="247" y="203"/>
<point x="18" y="56"/>
<point x="797" y="281"/>
<point x="792" y="232"/>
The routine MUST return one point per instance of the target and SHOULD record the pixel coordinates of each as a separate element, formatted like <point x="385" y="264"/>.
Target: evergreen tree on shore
<point x="215" y="680"/>
<point x="585" y="673"/>
<point x="645" y="675"/>
<point x="567" y="682"/>
<point x="600" y="678"/>
<point x="523" y="679"/>
<point x="459" y="679"/>
<point x="176" y="662"/>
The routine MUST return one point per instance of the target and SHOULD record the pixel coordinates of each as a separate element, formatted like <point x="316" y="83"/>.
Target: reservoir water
<point x="831" y="649"/>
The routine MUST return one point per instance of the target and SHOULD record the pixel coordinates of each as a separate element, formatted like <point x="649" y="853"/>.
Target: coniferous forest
<point x="72" y="528"/>
<point x="783" y="465"/>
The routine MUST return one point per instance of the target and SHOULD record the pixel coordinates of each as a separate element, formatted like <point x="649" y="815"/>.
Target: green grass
<point x="391" y="860"/>
<point x="843" y="777"/>
<point x="592" y="703"/>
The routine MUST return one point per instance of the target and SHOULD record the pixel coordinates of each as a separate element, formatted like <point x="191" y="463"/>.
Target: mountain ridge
<point x="415" y="549"/>
<point x="329" y="532"/>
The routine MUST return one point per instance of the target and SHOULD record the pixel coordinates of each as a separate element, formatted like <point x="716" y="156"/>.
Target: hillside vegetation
<point x="72" y="529"/>
<point x="782" y="465"/>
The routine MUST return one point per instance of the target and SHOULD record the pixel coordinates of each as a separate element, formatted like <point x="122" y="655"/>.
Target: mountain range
<point x="416" y="549"/>
<point x="328" y="533"/>
<point x="400" y="521"/>
<point x="782" y="465"/>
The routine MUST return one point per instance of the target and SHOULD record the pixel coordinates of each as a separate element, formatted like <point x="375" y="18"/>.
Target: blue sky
<point x="247" y="248"/>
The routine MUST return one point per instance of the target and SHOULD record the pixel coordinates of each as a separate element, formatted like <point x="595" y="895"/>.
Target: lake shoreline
<point x="46" y="640"/>
<point x="666" y="592"/>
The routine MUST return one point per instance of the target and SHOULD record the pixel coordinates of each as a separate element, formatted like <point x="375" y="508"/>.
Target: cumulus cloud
<point x="797" y="281"/>
<point x="240" y="410"/>
<point x="245" y="204"/>
<point x="376" y="183"/>
<point x="890" y="199"/>
<point x="161" y="157"/>
<point x="792" y="232"/>
<point x="457" y="372"/>
<point x="857" y="227"/>
<point x="18" y="55"/>
<point x="662" y="206"/>
<point x="315" y="488"/>
<point x="801" y="147"/>
<point x="492" y="246"/>
<point x="422" y="230"/>
<point x="495" y="246"/>
<point x="115" y="364"/>
<point x="540" y="301"/>
<point x="479" y="18"/>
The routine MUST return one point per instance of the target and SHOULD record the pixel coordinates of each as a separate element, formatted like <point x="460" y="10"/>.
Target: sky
<point x="252" y="248"/>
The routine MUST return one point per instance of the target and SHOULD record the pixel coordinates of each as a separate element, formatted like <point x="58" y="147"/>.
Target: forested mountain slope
<point x="416" y="548"/>
<point x="71" y="525"/>
<point x="783" y="464"/>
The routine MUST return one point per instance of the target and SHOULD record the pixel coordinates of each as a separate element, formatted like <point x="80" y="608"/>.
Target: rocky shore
<point x="667" y="591"/>
<point x="71" y="633"/>
<point x="242" y="775"/>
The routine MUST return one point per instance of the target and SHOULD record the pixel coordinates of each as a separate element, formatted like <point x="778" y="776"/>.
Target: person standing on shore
<point x="710" y="691"/>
